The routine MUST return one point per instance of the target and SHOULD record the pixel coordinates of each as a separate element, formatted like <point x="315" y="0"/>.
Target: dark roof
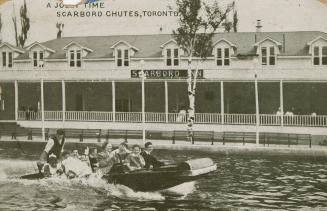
<point x="149" y="45"/>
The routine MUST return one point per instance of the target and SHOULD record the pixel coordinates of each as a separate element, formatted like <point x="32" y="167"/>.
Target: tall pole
<point x="143" y="101"/>
<point x="16" y="100"/>
<point x="113" y="95"/>
<point x="63" y="95"/>
<point x="222" y="106"/>
<point x="166" y="100"/>
<point x="257" y="109"/>
<point x="42" y="109"/>
<point x="281" y="95"/>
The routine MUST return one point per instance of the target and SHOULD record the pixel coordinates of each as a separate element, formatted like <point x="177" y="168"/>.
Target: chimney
<point x="258" y="26"/>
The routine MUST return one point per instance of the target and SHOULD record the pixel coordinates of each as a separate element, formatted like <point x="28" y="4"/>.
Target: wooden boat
<point x="157" y="179"/>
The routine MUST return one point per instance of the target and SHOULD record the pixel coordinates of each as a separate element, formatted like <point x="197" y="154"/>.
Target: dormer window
<point x="7" y="59"/>
<point x="223" y="56"/>
<point x="172" y="57"/>
<point x="75" y="58"/>
<point x="268" y="55"/>
<point x="38" y="59"/>
<point x="122" y="57"/>
<point x="320" y="55"/>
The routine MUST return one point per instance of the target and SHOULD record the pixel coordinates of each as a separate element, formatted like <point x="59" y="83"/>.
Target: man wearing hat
<point x="54" y="146"/>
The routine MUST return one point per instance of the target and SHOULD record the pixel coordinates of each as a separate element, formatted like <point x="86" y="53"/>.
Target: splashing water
<point x="11" y="169"/>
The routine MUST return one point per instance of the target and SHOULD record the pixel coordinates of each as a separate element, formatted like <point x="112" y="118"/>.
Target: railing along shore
<point x="156" y="117"/>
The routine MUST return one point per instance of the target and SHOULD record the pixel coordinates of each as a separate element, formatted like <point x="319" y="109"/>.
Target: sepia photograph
<point x="163" y="105"/>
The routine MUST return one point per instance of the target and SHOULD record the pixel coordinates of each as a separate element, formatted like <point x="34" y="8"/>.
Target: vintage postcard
<point x="163" y="105"/>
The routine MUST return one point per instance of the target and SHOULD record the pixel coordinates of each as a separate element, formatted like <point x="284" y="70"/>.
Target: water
<point x="241" y="182"/>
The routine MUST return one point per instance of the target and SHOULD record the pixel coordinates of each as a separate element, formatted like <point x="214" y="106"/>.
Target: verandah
<point x="218" y="102"/>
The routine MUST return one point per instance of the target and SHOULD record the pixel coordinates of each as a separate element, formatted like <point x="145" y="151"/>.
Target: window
<point x="38" y="59"/>
<point x="172" y="57"/>
<point x="168" y="60"/>
<point x="72" y="59"/>
<point x="316" y="59"/>
<point x="219" y="57"/>
<point x="10" y="59"/>
<point x="7" y="59"/>
<point x="75" y="58"/>
<point x="35" y="59"/>
<point x="272" y="56"/>
<point x="126" y="60"/>
<point x="78" y="59"/>
<point x="176" y="61"/>
<point x="223" y="57"/>
<point x="324" y="55"/>
<point x="320" y="55"/>
<point x="4" y="59"/>
<point x="268" y="55"/>
<point x="264" y="56"/>
<point x="122" y="58"/>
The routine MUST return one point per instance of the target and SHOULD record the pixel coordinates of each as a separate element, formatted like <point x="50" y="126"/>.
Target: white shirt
<point x="49" y="146"/>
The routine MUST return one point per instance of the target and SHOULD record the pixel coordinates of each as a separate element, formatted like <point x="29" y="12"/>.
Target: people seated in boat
<point x="106" y="150"/>
<point x="116" y="159"/>
<point x="74" y="167"/>
<point x="55" y="146"/>
<point x="52" y="167"/>
<point x="135" y="160"/>
<point x="150" y="160"/>
<point x="85" y="156"/>
<point x="93" y="159"/>
<point x="76" y="154"/>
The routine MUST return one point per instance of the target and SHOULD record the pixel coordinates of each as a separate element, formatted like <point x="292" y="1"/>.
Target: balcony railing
<point x="200" y="118"/>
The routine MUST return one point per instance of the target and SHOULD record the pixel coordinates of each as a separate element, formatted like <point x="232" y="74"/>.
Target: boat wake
<point x="11" y="170"/>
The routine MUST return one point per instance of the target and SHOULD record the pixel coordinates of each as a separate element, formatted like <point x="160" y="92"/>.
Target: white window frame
<point x="125" y="59"/>
<point x="37" y="61"/>
<point x="268" y="55"/>
<point x="73" y="62"/>
<point x="320" y="55"/>
<point x="223" y="57"/>
<point x="8" y="63"/>
<point x="174" y="60"/>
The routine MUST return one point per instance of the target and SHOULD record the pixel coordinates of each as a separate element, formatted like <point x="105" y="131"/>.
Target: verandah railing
<point x="156" y="117"/>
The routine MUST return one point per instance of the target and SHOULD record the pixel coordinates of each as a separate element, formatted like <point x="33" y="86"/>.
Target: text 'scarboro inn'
<point x="99" y="79"/>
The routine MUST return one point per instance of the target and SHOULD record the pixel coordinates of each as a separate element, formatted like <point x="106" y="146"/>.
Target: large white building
<point x="97" y="79"/>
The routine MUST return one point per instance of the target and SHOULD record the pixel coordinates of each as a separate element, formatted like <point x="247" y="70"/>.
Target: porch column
<point x="257" y="109"/>
<point x="42" y="109"/>
<point x="63" y="95"/>
<point x="281" y="95"/>
<point x="113" y="90"/>
<point x="166" y="100"/>
<point x="16" y="100"/>
<point x="222" y="109"/>
<point x="143" y="108"/>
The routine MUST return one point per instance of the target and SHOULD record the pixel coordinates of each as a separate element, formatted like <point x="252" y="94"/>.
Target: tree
<point x="235" y="21"/>
<point x="25" y="24"/>
<point x="198" y="22"/>
<point x="14" y="20"/>
<point x="0" y="24"/>
<point x="60" y="27"/>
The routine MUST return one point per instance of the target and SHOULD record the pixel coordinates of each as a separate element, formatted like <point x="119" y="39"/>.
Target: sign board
<point x="164" y="74"/>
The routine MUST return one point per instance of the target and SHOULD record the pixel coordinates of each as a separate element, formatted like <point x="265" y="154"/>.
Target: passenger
<point x="52" y="168"/>
<point x="93" y="159"/>
<point x="85" y="156"/>
<point x="150" y="161"/>
<point x="116" y="158"/>
<point x="76" y="154"/>
<point x="105" y="154"/>
<point x="54" y="146"/>
<point x="135" y="160"/>
<point x="74" y="167"/>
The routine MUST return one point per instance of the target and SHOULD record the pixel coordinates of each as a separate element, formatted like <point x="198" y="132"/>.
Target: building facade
<point x="100" y="79"/>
